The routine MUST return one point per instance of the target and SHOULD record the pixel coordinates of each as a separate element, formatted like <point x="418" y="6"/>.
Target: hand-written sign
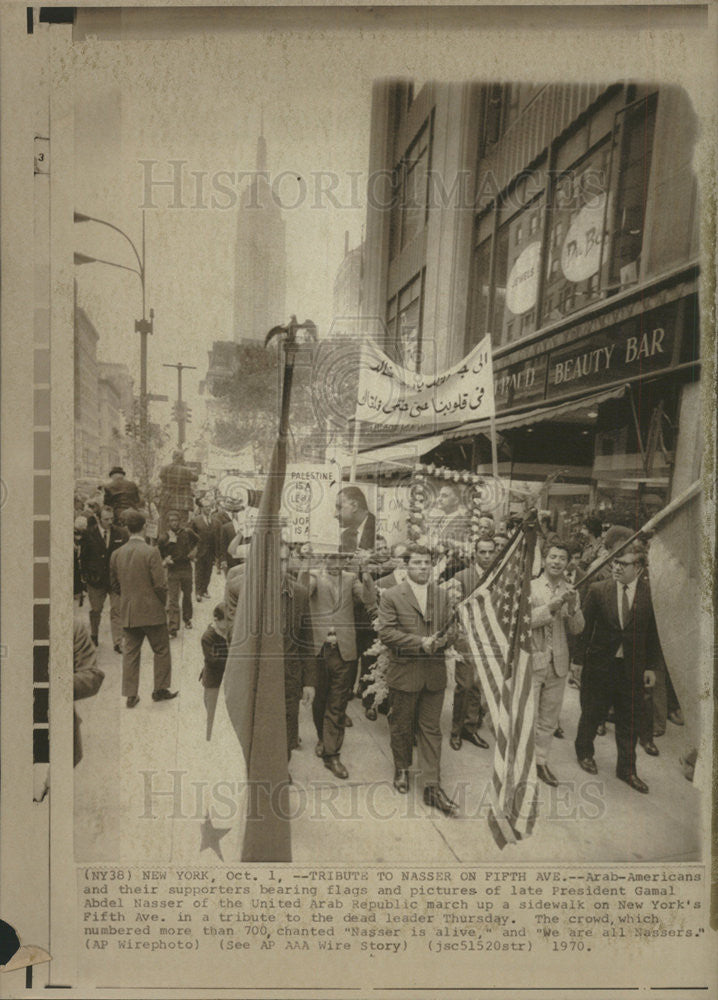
<point x="581" y="251"/>
<point x="392" y="396"/>
<point x="308" y="501"/>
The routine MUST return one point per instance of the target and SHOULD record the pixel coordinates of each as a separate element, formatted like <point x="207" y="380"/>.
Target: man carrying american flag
<point x="497" y="621"/>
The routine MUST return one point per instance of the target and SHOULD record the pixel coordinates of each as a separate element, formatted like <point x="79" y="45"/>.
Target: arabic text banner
<point x="392" y="396"/>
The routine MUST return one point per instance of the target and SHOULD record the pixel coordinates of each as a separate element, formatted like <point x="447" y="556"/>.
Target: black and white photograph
<point x="369" y="400"/>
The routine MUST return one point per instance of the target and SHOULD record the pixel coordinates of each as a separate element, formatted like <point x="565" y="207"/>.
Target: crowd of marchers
<point x="347" y="613"/>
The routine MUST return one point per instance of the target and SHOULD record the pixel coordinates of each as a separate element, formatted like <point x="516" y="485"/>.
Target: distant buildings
<point x="347" y="296"/>
<point x="103" y="404"/>
<point x="87" y="437"/>
<point x="260" y="256"/>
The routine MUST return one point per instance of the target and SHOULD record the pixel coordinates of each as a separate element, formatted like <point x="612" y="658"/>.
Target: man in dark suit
<point x="138" y="576"/>
<point x="300" y="665"/>
<point x="219" y="518"/>
<point x="235" y="526"/>
<point x="177" y="548"/>
<point x="413" y="624"/>
<point x="203" y="528"/>
<point x="621" y="656"/>
<point x="357" y="523"/>
<point x="334" y="596"/>
<point x="97" y="544"/>
<point x="121" y="494"/>
<point x="87" y="677"/>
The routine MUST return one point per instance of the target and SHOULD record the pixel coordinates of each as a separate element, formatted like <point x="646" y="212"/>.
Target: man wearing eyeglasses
<point x="622" y="654"/>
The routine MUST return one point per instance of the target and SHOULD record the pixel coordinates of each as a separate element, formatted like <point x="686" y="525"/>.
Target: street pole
<point x="181" y="416"/>
<point x="143" y="326"/>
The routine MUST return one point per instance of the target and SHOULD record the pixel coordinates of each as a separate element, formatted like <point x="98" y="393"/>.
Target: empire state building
<point x="261" y="256"/>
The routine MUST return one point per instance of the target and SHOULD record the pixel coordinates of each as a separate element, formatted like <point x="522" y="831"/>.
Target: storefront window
<point x="634" y="166"/>
<point x="576" y="242"/>
<point x="481" y="286"/>
<point x="404" y="324"/>
<point x="505" y="284"/>
<point x="518" y="252"/>
<point x="410" y="203"/>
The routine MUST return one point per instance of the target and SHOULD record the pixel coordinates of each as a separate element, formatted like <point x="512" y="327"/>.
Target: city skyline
<point x="130" y="137"/>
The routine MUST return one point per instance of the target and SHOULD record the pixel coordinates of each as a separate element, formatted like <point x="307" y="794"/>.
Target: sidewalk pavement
<point x="149" y="777"/>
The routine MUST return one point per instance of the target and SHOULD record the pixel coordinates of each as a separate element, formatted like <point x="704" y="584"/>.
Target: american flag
<point x="497" y="621"/>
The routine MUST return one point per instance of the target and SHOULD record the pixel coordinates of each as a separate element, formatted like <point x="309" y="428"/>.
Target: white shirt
<point x="630" y="593"/>
<point x="420" y="593"/>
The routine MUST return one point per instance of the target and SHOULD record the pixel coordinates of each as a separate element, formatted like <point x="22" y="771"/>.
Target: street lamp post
<point x="143" y="326"/>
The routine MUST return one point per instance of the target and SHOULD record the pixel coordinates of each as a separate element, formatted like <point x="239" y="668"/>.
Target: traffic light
<point x="180" y="411"/>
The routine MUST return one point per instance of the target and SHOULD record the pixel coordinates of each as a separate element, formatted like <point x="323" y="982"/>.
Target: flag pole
<point x="650" y="525"/>
<point x="355" y="449"/>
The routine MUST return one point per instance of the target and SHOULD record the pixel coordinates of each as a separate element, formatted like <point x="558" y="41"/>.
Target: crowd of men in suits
<point x="335" y="606"/>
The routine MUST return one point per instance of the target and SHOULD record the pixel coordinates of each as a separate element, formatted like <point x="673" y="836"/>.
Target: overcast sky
<point x="201" y="101"/>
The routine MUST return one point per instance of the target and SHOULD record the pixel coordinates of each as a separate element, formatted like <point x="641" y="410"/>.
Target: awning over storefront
<point x="575" y="411"/>
<point x="402" y="455"/>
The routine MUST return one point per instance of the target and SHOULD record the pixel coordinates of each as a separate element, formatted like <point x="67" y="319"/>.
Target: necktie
<point x="625" y="606"/>
<point x="548" y="636"/>
<point x="107" y="538"/>
<point x="351" y="537"/>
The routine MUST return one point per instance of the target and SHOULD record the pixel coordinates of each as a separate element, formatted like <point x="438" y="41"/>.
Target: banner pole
<point x="355" y="449"/>
<point x="650" y="525"/>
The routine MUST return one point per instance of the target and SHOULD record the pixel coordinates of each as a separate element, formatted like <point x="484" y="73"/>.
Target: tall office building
<point x="561" y="221"/>
<point x="260" y="256"/>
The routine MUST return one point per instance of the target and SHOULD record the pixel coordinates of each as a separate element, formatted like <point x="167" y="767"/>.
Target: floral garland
<point x="377" y="685"/>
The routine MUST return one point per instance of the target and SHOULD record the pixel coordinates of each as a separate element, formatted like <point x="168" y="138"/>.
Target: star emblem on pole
<point x="211" y="836"/>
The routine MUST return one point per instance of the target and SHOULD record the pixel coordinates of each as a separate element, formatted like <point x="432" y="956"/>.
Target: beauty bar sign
<point x="641" y="345"/>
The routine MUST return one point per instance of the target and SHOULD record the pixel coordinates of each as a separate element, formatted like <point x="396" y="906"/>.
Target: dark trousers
<point x="179" y="579"/>
<point x="202" y="573"/>
<point x="467" y="713"/>
<point x="416" y="712"/>
<point x="159" y="641"/>
<point x="334" y="683"/>
<point x="292" y="697"/>
<point x="96" y="597"/>
<point x="601" y="688"/>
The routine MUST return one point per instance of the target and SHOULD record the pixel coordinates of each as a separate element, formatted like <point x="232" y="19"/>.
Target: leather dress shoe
<point x="370" y="713"/>
<point x="117" y="647"/>
<point x="401" y="780"/>
<point x="676" y="717"/>
<point x="634" y="782"/>
<point x="348" y="722"/>
<point x="474" y="738"/>
<point x="132" y="701"/>
<point x="164" y="694"/>
<point x="455" y="742"/>
<point x="559" y="733"/>
<point x="188" y="624"/>
<point x="601" y="731"/>
<point x="588" y="764"/>
<point x="546" y="775"/>
<point x="336" y="767"/>
<point x="650" y="747"/>
<point x="437" y="798"/>
<point x="319" y="748"/>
